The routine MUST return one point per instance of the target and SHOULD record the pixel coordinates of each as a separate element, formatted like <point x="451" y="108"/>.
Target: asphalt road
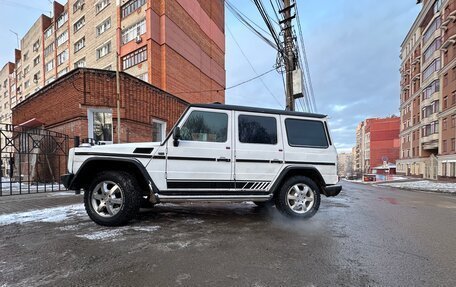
<point x="367" y="236"/>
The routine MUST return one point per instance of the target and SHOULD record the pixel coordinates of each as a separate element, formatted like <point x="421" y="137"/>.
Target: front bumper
<point x="332" y="190"/>
<point x="67" y="179"/>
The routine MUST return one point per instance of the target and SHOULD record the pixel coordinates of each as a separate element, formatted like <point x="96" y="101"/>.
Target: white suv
<point x="215" y="153"/>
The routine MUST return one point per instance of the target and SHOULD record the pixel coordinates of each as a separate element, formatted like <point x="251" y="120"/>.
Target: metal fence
<point x="31" y="160"/>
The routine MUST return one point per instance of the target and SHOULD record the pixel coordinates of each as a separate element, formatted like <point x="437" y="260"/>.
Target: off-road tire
<point x="131" y="198"/>
<point x="281" y="197"/>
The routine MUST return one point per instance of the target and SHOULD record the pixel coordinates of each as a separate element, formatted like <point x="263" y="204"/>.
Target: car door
<point x="203" y="158"/>
<point x="258" y="150"/>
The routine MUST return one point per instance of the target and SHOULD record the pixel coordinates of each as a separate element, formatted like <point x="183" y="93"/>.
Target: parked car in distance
<point x="215" y="152"/>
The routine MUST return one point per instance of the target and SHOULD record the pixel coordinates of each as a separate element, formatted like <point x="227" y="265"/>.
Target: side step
<point x="184" y="198"/>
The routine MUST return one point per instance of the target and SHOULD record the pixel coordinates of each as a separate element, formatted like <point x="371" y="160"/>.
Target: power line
<point x="228" y="88"/>
<point x="251" y="66"/>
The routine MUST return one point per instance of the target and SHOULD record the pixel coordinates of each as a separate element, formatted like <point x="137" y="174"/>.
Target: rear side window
<point x="306" y="133"/>
<point x="257" y="130"/>
<point x="205" y="127"/>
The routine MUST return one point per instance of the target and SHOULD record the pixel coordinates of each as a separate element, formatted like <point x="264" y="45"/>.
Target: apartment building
<point x="5" y="92"/>
<point x="428" y="93"/>
<point x="345" y="164"/>
<point x="175" y="45"/>
<point x="377" y="143"/>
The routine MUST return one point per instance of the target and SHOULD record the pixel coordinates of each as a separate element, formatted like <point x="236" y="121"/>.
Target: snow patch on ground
<point x="115" y="233"/>
<point x="426" y="185"/>
<point x="55" y="214"/>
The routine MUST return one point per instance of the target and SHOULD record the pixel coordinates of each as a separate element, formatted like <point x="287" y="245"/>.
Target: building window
<point x="205" y="127"/>
<point x="50" y="80"/>
<point x="79" y="24"/>
<point x="101" y="5"/>
<point x="62" y="38"/>
<point x="453" y="144"/>
<point x="257" y="129"/>
<point x="100" y="125"/>
<point x="62" y="19"/>
<point x="432" y="28"/>
<point x="104" y="26"/>
<point x="444" y="124"/>
<point x="132" y="6"/>
<point x="104" y="50"/>
<point x="453" y="121"/>
<point x="78" y="5"/>
<point x="36" y="46"/>
<point x="49" y="49"/>
<point x="62" y="72"/>
<point x="36" y="61"/>
<point x="79" y="44"/>
<point x="36" y="77"/>
<point x="25" y="56"/>
<point x="134" y="31"/>
<point x="134" y="58"/>
<point x="50" y="65"/>
<point x="108" y="68"/>
<point x="62" y="57"/>
<point x="80" y="64"/>
<point x="444" y="145"/>
<point x="431" y="89"/>
<point x="26" y="70"/>
<point x="27" y="84"/>
<point x="433" y="67"/>
<point x="158" y="130"/>
<point x="48" y="32"/>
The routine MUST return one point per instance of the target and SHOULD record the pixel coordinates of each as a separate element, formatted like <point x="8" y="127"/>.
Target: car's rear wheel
<point x="113" y="198"/>
<point x="299" y="197"/>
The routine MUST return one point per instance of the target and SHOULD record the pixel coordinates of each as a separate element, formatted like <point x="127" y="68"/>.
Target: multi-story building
<point x="377" y="143"/>
<point x="344" y="164"/>
<point x="6" y="81"/>
<point x="176" y="45"/>
<point x="428" y="93"/>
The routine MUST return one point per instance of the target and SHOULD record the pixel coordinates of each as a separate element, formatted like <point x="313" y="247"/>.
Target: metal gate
<point x="31" y="160"/>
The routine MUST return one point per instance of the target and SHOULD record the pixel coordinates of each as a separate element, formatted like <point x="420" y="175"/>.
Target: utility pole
<point x="289" y="56"/>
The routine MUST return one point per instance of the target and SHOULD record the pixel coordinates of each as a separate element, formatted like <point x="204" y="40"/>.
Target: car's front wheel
<point x="299" y="197"/>
<point x="113" y="198"/>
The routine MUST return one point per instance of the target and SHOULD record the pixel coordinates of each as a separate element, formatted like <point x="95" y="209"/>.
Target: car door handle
<point x="223" y="159"/>
<point x="276" y="161"/>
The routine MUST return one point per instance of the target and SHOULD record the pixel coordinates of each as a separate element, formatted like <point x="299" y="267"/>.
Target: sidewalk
<point x="416" y="184"/>
<point x="37" y="201"/>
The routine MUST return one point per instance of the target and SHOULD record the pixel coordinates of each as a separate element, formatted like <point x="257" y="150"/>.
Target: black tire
<point x="145" y="203"/>
<point x="284" y="203"/>
<point x="130" y="198"/>
<point x="264" y="204"/>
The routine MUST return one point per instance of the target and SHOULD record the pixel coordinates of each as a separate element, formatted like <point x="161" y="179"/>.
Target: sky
<point x="352" y="48"/>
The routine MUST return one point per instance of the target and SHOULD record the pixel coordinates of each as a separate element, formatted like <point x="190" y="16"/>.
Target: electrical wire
<point x="253" y="69"/>
<point x="228" y="88"/>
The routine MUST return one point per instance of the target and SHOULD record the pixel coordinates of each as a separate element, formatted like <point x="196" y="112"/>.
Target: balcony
<point x="431" y="142"/>
<point x="416" y="60"/>
<point x="416" y="77"/>
<point x="428" y="101"/>
<point x="450" y="41"/>
<point x="448" y="19"/>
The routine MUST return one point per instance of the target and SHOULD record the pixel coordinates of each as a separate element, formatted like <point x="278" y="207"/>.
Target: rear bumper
<point x="332" y="190"/>
<point x="67" y="179"/>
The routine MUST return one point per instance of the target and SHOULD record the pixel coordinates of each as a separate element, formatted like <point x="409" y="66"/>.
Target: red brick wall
<point x="384" y="140"/>
<point x="62" y="106"/>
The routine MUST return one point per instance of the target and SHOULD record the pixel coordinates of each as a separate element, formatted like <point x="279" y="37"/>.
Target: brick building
<point x="428" y="93"/>
<point x="377" y="142"/>
<point x="83" y="103"/>
<point x="176" y="45"/>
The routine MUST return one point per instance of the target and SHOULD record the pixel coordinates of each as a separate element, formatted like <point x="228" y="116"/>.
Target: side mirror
<point x="176" y="136"/>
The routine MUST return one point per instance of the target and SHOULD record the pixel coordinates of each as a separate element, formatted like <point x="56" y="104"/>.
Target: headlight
<point x="70" y="160"/>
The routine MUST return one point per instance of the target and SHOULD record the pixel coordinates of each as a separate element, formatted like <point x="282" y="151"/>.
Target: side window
<point x="257" y="130"/>
<point x="306" y="133"/>
<point x="205" y="127"/>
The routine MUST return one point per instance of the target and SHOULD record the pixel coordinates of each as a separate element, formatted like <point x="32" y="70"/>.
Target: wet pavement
<point x="367" y="236"/>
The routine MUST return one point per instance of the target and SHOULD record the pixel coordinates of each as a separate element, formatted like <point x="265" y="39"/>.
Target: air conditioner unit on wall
<point x="138" y="39"/>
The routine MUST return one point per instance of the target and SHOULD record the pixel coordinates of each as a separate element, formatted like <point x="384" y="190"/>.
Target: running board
<point x="183" y="198"/>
